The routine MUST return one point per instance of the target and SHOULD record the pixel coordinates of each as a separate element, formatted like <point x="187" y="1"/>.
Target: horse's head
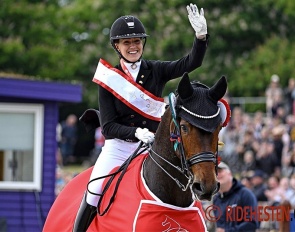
<point x="200" y="116"/>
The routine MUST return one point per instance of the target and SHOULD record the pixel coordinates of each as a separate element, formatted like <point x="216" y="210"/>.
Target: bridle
<point x="175" y="137"/>
<point x="184" y="168"/>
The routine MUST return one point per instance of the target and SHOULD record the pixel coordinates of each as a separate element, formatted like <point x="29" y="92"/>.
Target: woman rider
<point x="130" y="100"/>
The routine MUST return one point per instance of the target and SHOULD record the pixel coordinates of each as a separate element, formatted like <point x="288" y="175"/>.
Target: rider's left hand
<point x="144" y="135"/>
<point x="197" y="20"/>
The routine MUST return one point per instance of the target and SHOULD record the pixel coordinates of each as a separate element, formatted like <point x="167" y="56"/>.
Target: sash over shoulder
<point x="128" y="91"/>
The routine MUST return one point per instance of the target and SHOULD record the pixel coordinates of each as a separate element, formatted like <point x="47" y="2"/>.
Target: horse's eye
<point x="183" y="128"/>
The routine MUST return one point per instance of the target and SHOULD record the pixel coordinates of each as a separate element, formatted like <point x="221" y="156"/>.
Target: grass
<point x="74" y="169"/>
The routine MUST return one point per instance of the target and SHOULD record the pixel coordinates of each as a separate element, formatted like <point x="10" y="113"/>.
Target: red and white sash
<point x="128" y="91"/>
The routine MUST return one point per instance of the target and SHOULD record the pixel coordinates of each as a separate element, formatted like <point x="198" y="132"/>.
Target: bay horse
<point x="162" y="189"/>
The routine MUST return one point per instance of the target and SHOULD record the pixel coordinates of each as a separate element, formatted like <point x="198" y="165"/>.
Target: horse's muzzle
<point x="203" y="193"/>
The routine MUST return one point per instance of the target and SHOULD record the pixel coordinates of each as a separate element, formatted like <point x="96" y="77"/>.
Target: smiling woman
<point x="131" y="49"/>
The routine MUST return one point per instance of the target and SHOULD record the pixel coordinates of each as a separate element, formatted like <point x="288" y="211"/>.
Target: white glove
<point x="144" y="135"/>
<point x="197" y="20"/>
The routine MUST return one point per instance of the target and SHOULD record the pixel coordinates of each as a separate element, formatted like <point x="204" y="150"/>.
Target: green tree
<point x="31" y="41"/>
<point x="64" y="40"/>
<point x="275" y="55"/>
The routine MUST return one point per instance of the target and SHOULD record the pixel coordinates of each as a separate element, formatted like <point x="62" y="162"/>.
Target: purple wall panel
<point x="27" y="210"/>
<point x="52" y="91"/>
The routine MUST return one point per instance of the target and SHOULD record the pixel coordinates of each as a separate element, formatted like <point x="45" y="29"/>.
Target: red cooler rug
<point x="135" y="207"/>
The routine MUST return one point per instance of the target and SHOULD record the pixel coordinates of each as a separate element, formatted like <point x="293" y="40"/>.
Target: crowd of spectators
<point x="260" y="148"/>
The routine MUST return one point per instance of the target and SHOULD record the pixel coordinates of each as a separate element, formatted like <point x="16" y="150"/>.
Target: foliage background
<point x="63" y="40"/>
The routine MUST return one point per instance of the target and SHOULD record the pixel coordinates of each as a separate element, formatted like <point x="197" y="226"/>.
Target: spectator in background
<point x="274" y="96"/>
<point x="290" y="194"/>
<point x="58" y="155"/>
<point x="288" y="162"/>
<point x="287" y="170"/>
<point x="264" y="133"/>
<point x="281" y="142"/>
<point x="258" y="124"/>
<point x="68" y="138"/>
<point x="246" y="181"/>
<point x="98" y="144"/>
<point x="284" y="188"/>
<point x="290" y="127"/>
<point x="249" y="162"/>
<point x="266" y="158"/>
<point x="281" y="114"/>
<point x="59" y="180"/>
<point x="245" y="146"/>
<point x="62" y="178"/>
<point x="289" y="94"/>
<point x="233" y="194"/>
<point x="273" y="192"/>
<point x="292" y="154"/>
<point x="233" y="135"/>
<point x="258" y="185"/>
<point x="247" y="141"/>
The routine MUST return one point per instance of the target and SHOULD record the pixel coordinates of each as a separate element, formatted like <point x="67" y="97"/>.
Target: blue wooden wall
<point x="27" y="210"/>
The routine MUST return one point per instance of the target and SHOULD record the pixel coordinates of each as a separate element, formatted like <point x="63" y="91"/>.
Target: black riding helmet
<point x="127" y="27"/>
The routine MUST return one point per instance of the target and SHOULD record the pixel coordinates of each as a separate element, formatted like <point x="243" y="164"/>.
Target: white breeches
<point x="113" y="154"/>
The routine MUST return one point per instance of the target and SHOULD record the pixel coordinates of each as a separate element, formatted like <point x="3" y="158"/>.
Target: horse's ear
<point x="218" y="90"/>
<point x="185" y="88"/>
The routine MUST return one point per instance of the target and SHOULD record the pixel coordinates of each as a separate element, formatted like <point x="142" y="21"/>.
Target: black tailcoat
<point x="120" y="121"/>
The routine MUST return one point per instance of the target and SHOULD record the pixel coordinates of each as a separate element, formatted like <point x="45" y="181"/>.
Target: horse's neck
<point x="163" y="186"/>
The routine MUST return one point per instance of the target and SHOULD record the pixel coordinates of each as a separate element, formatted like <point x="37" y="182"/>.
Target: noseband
<point x="201" y="157"/>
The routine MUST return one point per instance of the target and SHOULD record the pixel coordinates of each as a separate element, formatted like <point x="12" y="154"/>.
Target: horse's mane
<point x="162" y="135"/>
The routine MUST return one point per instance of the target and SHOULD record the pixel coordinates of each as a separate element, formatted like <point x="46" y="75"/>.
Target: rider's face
<point x="131" y="48"/>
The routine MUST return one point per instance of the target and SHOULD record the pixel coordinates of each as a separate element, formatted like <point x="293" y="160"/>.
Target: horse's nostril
<point x="197" y="187"/>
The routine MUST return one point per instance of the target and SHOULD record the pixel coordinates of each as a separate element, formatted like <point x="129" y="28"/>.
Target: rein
<point x="185" y="164"/>
<point x="122" y="169"/>
<point x="189" y="176"/>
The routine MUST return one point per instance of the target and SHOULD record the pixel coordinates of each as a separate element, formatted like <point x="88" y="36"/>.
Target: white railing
<point x="243" y="101"/>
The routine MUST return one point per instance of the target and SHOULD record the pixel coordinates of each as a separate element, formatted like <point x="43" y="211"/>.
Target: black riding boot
<point x="85" y="216"/>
